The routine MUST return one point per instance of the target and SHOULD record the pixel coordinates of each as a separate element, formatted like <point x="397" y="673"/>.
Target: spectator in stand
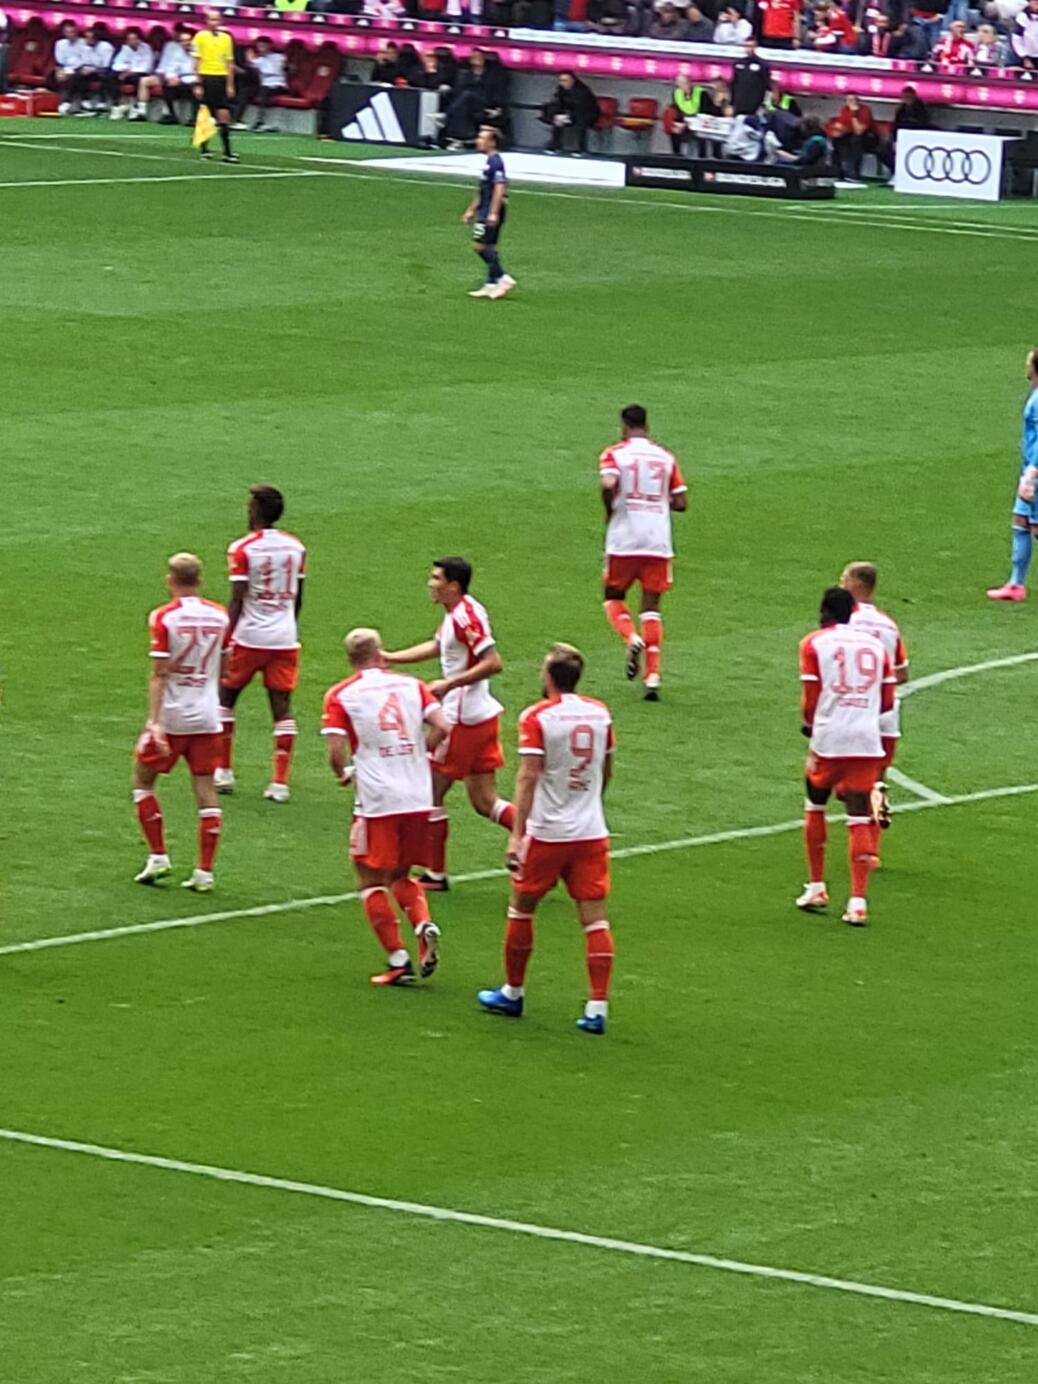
<point x="386" y="66"/>
<point x="1025" y="39"/>
<point x="750" y="140"/>
<point x="608" y="16"/>
<point x="174" y="77"/>
<point x="1004" y="12"/>
<point x="876" y="38"/>
<point x="910" y="114"/>
<point x="437" y="74"/>
<point x="573" y="107"/>
<point x="853" y="133"/>
<point x="731" y="27"/>
<point x="98" y="55"/>
<point x="813" y="152"/>
<point x="780" y="22"/>
<point x="480" y="99"/>
<point x="570" y="16"/>
<point x="134" y="60"/>
<point x="992" y="48"/>
<point x="686" y="101"/>
<point x="668" y="26"/>
<point x="383" y="9"/>
<point x="69" y="56"/>
<point x="908" y="43"/>
<point x="700" y="29"/>
<point x="833" y="31"/>
<point x="929" y="16"/>
<point x="751" y="80"/>
<point x="955" y="48"/>
<point x="266" y="79"/>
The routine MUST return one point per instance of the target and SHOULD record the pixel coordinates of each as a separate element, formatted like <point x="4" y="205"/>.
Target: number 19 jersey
<point x="644" y="476"/>
<point x="383" y="714"/>
<point x="271" y="564"/>
<point x="850" y="667"/>
<point x="572" y="736"/>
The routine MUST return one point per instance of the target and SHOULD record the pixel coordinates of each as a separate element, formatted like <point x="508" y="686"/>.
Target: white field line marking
<point x="967" y="670"/>
<point x="540" y="1232"/>
<point x="929" y="795"/>
<point x="267" y="910"/>
<point x="154" y="178"/>
<point x="178" y="157"/>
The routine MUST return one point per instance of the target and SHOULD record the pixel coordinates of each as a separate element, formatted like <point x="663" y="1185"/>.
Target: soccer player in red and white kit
<point x="859" y="578"/>
<point x="566" y="749"/>
<point x="847" y="682"/>
<point x="389" y="721"/>
<point x="472" y="753"/>
<point x="641" y="485"/>
<point x="266" y="568"/>
<point x="189" y="637"/>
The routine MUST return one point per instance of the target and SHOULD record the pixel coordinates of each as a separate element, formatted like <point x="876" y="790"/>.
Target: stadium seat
<point x="299" y="66"/>
<point x="608" y="108"/>
<point x="640" y="116"/>
<point x="309" y="86"/>
<point x="31" y="55"/>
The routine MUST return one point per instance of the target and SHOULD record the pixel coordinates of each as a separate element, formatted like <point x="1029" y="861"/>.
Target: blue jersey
<point x="493" y="173"/>
<point x="1029" y="439"/>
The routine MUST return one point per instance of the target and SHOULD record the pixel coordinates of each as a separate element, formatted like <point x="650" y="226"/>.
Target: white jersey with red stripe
<point x="464" y="637"/>
<point x="572" y="736"/>
<point x="885" y="628"/>
<point x="850" y="667"/>
<point x="383" y="715"/>
<point x="643" y="477"/>
<point x="190" y="634"/>
<point x="271" y="564"/>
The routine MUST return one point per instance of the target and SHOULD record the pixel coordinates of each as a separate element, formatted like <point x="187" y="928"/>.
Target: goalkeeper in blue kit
<point x="1025" y="509"/>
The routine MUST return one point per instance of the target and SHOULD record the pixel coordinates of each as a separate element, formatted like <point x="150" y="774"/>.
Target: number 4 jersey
<point x="572" y="735"/>
<point x="644" y="476"/>
<point x="844" y="671"/>
<point x="190" y="635"/>
<point x="271" y="564"/>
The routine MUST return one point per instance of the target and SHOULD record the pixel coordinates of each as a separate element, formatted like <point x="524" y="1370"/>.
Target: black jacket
<point x="751" y="82"/>
<point x="579" y="103"/>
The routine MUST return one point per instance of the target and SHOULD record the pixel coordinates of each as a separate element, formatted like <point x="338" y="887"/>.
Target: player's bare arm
<point x="236" y="602"/>
<point x="679" y="501"/>
<point x="299" y="593"/>
<point x="437" y="729"/>
<point x="156" y="687"/>
<point x="530" y="769"/>
<point x="338" y="760"/>
<point x="469" y="214"/>
<point x="489" y="666"/>
<point x="417" y="653"/>
<point x="610" y="485"/>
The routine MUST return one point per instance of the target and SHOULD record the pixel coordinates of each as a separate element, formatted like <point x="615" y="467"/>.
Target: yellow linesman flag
<point x="205" y="127"/>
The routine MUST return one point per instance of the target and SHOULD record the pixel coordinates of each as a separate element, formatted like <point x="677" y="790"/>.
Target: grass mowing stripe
<point x="540" y="1232"/>
<point x="266" y="910"/>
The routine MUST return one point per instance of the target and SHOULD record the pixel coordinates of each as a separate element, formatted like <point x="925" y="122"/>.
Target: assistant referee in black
<point x="213" y="50"/>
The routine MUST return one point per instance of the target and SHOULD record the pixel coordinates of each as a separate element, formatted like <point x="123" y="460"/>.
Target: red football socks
<point x="410" y="895"/>
<point x="859" y="831"/>
<point x="652" y="633"/>
<point x="620" y="618"/>
<point x="210" y="820"/>
<point x="503" y="814"/>
<point x="149" y="814"/>
<point x="384" y="922"/>
<point x="598" y="941"/>
<point x="518" y="946"/>
<point x="284" y="743"/>
<point x="815" y="833"/>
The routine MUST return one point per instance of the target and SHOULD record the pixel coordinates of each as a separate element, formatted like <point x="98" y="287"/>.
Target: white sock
<point x="857" y="903"/>
<point x="596" y="1009"/>
<point x="512" y="992"/>
<point x="398" y="958"/>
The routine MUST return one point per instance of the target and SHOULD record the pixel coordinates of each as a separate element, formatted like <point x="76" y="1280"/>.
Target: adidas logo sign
<point x="376" y="123"/>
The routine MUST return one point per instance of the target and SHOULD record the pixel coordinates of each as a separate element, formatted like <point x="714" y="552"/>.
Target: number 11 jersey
<point x="572" y="736"/>
<point x="271" y="564"/>
<point x="850" y="667"/>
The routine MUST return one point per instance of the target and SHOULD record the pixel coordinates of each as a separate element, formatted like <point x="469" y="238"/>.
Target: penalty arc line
<point x="267" y="910"/>
<point x="540" y="1232"/>
<point x="914" y="786"/>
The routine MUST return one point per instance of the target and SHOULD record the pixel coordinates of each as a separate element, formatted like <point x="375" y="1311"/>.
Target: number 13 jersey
<point x="271" y="564"/>
<point x="572" y="736"/>
<point x="850" y="667"/>
<point x="645" y="476"/>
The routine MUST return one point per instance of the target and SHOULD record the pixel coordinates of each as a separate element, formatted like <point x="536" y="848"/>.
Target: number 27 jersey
<point x="271" y="564"/>
<point x="850" y="667"/>
<point x="572" y="736"/>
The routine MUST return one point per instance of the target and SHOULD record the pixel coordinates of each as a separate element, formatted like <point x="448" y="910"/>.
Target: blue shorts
<point x="1029" y="511"/>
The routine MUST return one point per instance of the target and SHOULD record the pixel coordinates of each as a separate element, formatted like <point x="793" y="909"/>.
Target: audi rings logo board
<point x="942" y="165"/>
<point x="946" y="163"/>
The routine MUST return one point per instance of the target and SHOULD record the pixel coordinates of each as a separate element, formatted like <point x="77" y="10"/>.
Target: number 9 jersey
<point x="572" y="735"/>
<point x="844" y="671"/>
<point x="271" y="564"/>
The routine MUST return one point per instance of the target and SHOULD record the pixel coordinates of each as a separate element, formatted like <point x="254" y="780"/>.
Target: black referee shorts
<point x="214" y="94"/>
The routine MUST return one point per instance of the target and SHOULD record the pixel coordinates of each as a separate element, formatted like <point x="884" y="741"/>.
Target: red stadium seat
<point x="31" y="55"/>
<point x="310" y="80"/>
<point x="640" y="115"/>
<point x="608" y="108"/>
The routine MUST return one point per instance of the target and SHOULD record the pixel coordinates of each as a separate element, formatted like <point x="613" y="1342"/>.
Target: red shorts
<point x="280" y="668"/>
<point x="391" y="843"/>
<point x="201" y="753"/>
<point x="583" y="866"/>
<point x="471" y="750"/>
<point x="843" y="776"/>
<point x="653" y="574"/>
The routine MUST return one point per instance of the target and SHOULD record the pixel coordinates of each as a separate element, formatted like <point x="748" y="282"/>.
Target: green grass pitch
<point x="840" y="382"/>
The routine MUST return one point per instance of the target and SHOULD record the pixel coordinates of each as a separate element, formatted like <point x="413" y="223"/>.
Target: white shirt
<point x="464" y="637"/>
<point x="572" y="735"/>
<point x="1025" y="42"/>
<point x="271" y="564"/>
<point x="851" y="667"/>
<point x="884" y="627"/>
<point x="383" y="713"/>
<point x="643" y="477"/>
<point x="70" y="54"/>
<point x="271" y="68"/>
<point x="176" y="61"/>
<point x="739" y="32"/>
<point x="98" y="55"/>
<point x="192" y="634"/>
<point x="139" y="60"/>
